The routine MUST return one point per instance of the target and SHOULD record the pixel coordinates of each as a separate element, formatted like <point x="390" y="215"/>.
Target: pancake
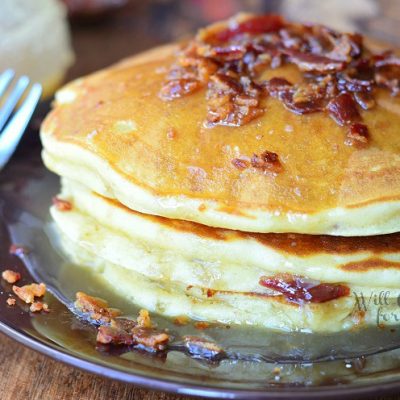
<point x="219" y="258"/>
<point x="112" y="132"/>
<point x="183" y="268"/>
<point x="228" y="307"/>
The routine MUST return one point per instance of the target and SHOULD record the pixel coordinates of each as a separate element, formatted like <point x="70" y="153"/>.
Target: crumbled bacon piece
<point x="365" y="100"/>
<point x="202" y="325"/>
<point x="357" y="135"/>
<point x="123" y="323"/>
<point x="277" y="85"/>
<point x="129" y="333"/>
<point x="313" y="62"/>
<point x="231" y="101"/>
<point x="298" y="289"/>
<point x="61" y="205"/>
<point x="304" y="99"/>
<point x="358" y="77"/>
<point x="38" y="306"/>
<point x="111" y="335"/>
<point x="389" y="77"/>
<point x="240" y="163"/>
<point x="267" y="162"/>
<point x="150" y="338"/>
<point x="18" y="250"/>
<point x="345" y="47"/>
<point x="176" y="88"/>
<point x="202" y="348"/>
<point x="28" y="293"/>
<point x="343" y="109"/>
<point x="11" y="276"/>
<point x="209" y="292"/>
<point x="96" y="308"/>
<point x="387" y="58"/>
<point x="144" y="320"/>
<point x="256" y="25"/>
<point x="171" y="133"/>
<point x="228" y="53"/>
<point x="11" y="301"/>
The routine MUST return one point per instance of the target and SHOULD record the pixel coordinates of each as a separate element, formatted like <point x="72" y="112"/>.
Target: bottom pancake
<point x="173" y="283"/>
<point x="173" y="299"/>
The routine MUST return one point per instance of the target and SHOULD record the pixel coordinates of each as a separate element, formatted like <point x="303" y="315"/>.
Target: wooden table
<point x="25" y="374"/>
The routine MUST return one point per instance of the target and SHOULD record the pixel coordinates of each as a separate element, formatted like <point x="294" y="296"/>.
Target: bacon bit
<point x="314" y="63"/>
<point x="277" y="85"/>
<point x="232" y="102"/>
<point x="181" y="320"/>
<point x="38" y="306"/>
<point x="229" y="53"/>
<point x="114" y="335"/>
<point x="151" y="339"/>
<point x="346" y="46"/>
<point x="343" y="109"/>
<point x="241" y="164"/>
<point x="179" y="87"/>
<point x="364" y="100"/>
<point x="298" y="289"/>
<point x="210" y="292"/>
<point x="11" y="301"/>
<point x="359" y="77"/>
<point x="18" y="250"/>
<point x="202" y="325"/>
<point x="267" y="162"/>
<point x="389" y="77"/>
<point x="97" y="308"/>
<point x="11" y="276"/>
<point x="126" y="332"/>
<point x="171" y="133"/>
<point x="357" y="135"/>
<point x="202" y="348"/>
<point x="144" y="320"/>
<point x="256" y="25"/>
<point x="387" y="58"/>
<point x="304" y="99"/>
<point x="61" y="205"/>
<point x="28" y="293"/>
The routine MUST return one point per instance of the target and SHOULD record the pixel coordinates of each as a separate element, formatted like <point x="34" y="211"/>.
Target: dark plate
<point x="328" y="366"/>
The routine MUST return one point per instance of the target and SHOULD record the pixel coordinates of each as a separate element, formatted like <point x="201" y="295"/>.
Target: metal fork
<point x="12" y="129"/>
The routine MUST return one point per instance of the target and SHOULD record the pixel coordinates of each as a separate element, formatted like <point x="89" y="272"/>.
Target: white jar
<point x="34" y="40"/>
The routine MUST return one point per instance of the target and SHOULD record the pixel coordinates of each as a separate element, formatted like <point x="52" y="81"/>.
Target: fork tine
<point x="13" y="99"/>
<point x="5" y="79"/>
<point x="14" y="130"/>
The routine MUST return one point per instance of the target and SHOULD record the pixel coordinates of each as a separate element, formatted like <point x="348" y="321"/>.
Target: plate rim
<point x="62" y="354"/>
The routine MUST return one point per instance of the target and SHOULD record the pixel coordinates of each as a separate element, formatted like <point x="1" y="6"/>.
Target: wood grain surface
<point x="27" y="375"/>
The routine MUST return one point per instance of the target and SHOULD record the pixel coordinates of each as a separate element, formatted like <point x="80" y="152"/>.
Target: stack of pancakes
<point x="174" y="226"/>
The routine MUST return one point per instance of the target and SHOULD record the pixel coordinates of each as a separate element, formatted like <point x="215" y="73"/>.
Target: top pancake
<point x="113" y="133"/>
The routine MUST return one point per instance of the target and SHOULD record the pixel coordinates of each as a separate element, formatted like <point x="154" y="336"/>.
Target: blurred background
<point x="57" y="40"/>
